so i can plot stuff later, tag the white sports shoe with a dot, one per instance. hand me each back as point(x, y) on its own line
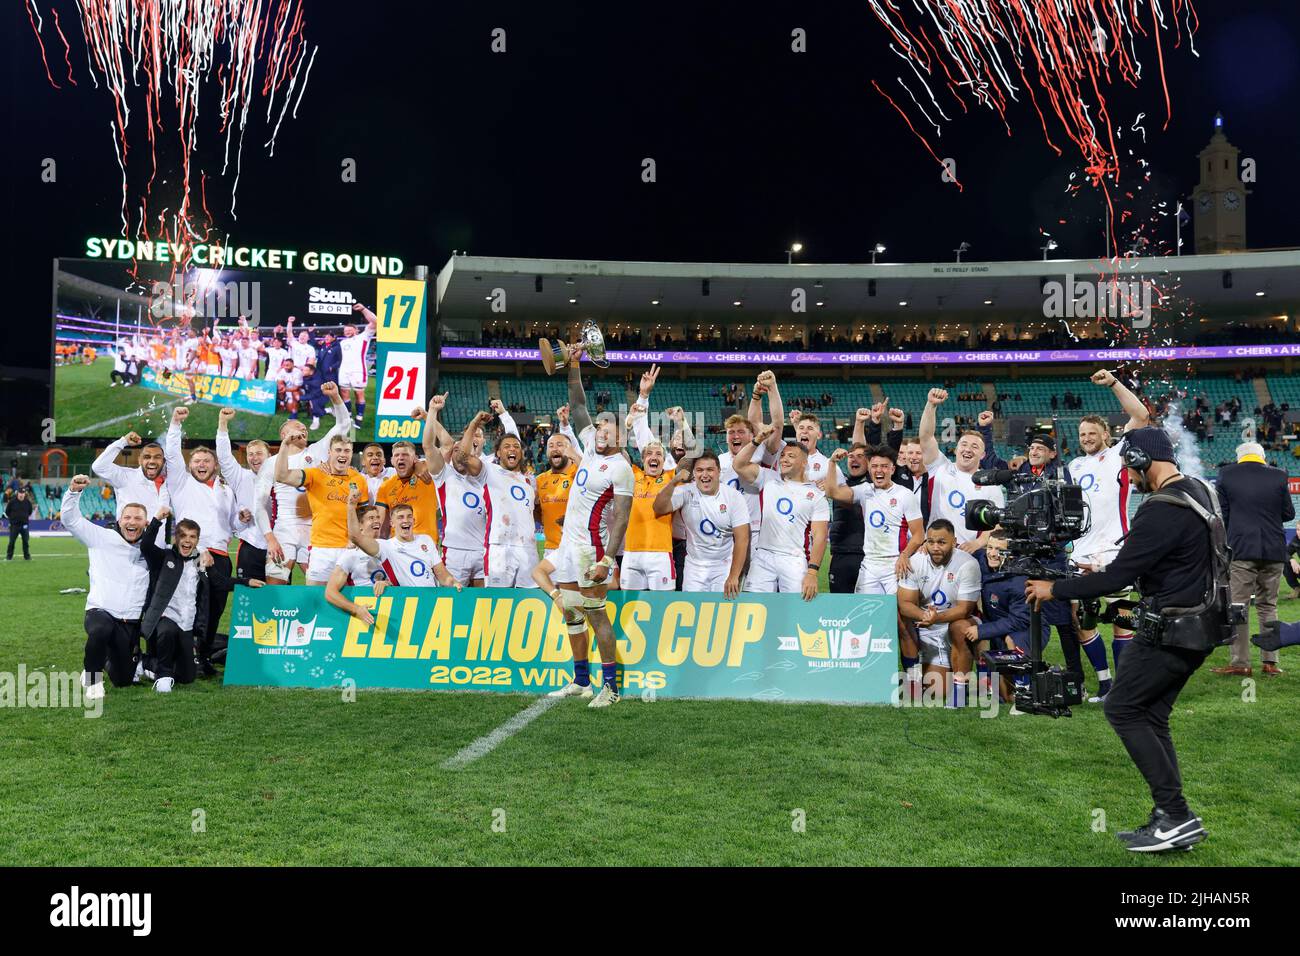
point(163, 685)
point(94, 691)
point(608, 695)
point(573, 689)
point(139, 670)
point(315, 424)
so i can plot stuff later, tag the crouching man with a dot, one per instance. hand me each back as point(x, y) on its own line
point(178, 596)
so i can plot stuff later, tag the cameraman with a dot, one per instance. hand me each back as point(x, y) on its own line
point(1168, 553)
point(1004, 616)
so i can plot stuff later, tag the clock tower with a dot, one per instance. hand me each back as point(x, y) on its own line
point(1219, 200)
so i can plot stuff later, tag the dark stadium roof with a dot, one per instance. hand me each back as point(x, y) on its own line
point(625, 290)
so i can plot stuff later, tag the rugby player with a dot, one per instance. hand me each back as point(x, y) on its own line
point(408, 484)
point(325, 485)
point(373, 466)
point(791, 539)
point(716, 519)
point(595, 523)
point(288, 519)
point(510, 500)
point(358, 569)
point(942, 585)
point(250, 561)
point(144, 485)
point(1101, 475)
point(553, 487)
point(408, 560)
point(119, 579)
point(952, 482)
point(354, 369)
point(891, 517)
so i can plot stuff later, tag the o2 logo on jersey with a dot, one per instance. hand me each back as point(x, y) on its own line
point(518, 493)
point(938, 598)
point(735, 483)
point(786, 507)
point(876, 519)
point(580, 479)
point(377, 575)
point(708, 529)
point(470, 500)
point(956, 499)
point(418, 569)
point(1088, 482)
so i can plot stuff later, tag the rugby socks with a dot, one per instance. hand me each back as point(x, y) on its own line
point(958, 693)
point(361, 408)
point(1095, 648)
point(609, 674)
point(581, 673)
point(1277, 635)
point(1118, 644)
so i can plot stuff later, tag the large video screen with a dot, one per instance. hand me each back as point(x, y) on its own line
point(132, 343)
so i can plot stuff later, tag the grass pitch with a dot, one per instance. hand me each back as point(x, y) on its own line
point(85, 407)
point(219, 776)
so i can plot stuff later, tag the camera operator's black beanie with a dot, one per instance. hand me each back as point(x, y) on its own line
point(1153, 440)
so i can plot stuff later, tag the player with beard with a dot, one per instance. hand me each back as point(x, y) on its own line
point(791, 540)
point(250, 562)
point(460, 495)
point(1101, 474)
point(952, 482)
point(145, 484)
point(553, 486)
point(358, 569)
point(510, 499)
point(410, 484)
point(325, 486)
point(119, 579)
point(595, 523)
point(375, 469)
point(409, 560)
point(203, 497)
point(716, 519)
point(289, 520)
point(941, 586)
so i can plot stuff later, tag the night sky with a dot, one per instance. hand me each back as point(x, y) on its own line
point(537, 152)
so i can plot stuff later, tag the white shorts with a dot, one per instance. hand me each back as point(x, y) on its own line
point(771, 573)
point(573, 565)
point(933, 645)
point(648, 571)
point(549, 554)
point(353, 379)
point(294, 553)
point(463, 565)
point(321, 563)
point(1098, 562)
point(510, 566)
point(876, 579)
point(705, 576)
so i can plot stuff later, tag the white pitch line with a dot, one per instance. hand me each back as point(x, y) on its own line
point(489, 742)
point(121, 418)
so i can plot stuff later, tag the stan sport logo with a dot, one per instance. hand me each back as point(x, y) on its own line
point(282, 633)
point(835, 644)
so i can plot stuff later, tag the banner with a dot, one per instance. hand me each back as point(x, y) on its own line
point(400, 308)
point(247, 395)
point(837, 648)
point(1138, 354)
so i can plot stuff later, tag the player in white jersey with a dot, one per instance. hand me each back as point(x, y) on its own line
point(229, 355)
point(716, 520)
point(595, 523)
point(891, 520)
point(509, 498)
point(952, 483)
point(409, 560)
point(1101, 475)
point(808, 432)
point(354, 369)
point(375, 469)
point(288, 384)
point(300, 349)
point(355, 568)
point(460, 494)
point(796, 519)
point(942, 585)
point(289, 535)
point(249, 356)
point(740, 432)
point(275, 358)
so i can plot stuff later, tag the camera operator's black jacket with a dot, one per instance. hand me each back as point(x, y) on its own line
point(1166, 554)
point(1003, 609)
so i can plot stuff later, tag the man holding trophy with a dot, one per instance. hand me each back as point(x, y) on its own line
point(577, 575)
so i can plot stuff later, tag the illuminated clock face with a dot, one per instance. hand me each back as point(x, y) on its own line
point(1204, 202)
point(1231, 199)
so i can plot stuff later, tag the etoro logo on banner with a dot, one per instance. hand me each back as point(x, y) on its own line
point(400, 309)
point(677, 645)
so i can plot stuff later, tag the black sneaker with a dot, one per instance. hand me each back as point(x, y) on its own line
point(205, 667)
point(1162, 832)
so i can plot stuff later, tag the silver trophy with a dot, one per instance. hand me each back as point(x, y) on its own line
point(588, 336)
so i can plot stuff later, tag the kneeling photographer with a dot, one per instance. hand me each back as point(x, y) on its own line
point(1176, 552)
